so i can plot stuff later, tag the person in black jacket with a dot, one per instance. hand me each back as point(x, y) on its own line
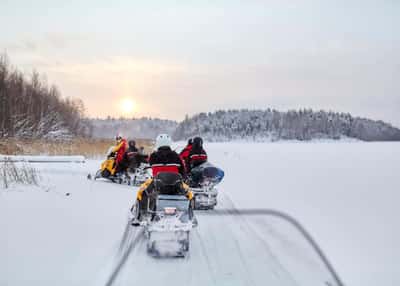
point(129, 159)
point(164, 160)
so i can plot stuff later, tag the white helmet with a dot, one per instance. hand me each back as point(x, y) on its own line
point(163, 140)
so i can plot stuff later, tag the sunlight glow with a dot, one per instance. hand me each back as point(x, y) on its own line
point(127, 106)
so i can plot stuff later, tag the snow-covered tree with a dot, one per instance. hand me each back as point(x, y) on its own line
point(30, 108)
point(303, 124)
point(145, 128)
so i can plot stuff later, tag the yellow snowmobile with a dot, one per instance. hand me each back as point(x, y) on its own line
point(108, 170)
point(108, 167)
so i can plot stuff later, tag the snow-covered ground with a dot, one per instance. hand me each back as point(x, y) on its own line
point(43, 159)
point(346, 195)
point(69, 231)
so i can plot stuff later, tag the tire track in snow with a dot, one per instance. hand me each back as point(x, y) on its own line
point(245, 226)
point(220, 268)
point(134, 239)
point(208, 243)
point(296, 226)
point(292, 248)
point(132, 262)
point(207, 258)
point(220, 246)
point(126, 237)
point(224, 249)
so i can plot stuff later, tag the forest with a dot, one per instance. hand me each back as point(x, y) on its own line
point(273, 125)
point(30, 108)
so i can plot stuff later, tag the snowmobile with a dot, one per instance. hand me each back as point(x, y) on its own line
point(169, 220)
point(108, 170)
point(168, 232)
point(141, 174)
point(202, 180)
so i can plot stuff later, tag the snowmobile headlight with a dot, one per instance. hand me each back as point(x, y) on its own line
point(169, 211)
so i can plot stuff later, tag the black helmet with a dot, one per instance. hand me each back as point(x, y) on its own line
point(190, 141)
point(132, 143)
point(198, 142)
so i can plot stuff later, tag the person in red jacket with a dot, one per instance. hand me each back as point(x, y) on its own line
point(184, 155)
point(197, 154)
point(119, 150)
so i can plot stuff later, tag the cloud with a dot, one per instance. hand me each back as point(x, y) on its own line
point(24, 46)
point(66, 40)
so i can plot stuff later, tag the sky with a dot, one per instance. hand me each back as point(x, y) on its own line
point(171, 58)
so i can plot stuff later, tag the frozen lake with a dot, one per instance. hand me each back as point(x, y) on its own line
point(345, 194)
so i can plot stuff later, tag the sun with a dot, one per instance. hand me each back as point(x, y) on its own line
point(127, 106)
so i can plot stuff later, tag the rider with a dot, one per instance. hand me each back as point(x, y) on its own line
point(132, 147)
point(164, 159)
point(119, 149)
point(197, 154)
point(129, 159)
point(142, 157)
point(184, 155)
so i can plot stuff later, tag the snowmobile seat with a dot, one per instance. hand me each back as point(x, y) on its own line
point(167, 183)
point(205, 173)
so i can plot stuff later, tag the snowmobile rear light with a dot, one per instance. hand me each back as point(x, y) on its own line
point(169, 211)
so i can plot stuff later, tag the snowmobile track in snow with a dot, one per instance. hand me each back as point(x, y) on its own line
point(203, 245)
point(232, 211)
point(128, 243)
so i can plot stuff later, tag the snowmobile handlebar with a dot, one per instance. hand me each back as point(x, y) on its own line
point(147, 167)
point(111, 154)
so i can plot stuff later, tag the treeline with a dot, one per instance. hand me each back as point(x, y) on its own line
point(29, 108)
point(273, 125)
point(145, 127)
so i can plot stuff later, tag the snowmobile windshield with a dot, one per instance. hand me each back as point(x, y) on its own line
point(110, 150)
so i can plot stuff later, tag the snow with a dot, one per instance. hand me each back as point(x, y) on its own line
point(346, 195)
point(43, 159)
point(52, 238)
point(70, 231)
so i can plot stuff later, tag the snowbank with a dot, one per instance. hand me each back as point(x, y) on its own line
point(43, 159)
